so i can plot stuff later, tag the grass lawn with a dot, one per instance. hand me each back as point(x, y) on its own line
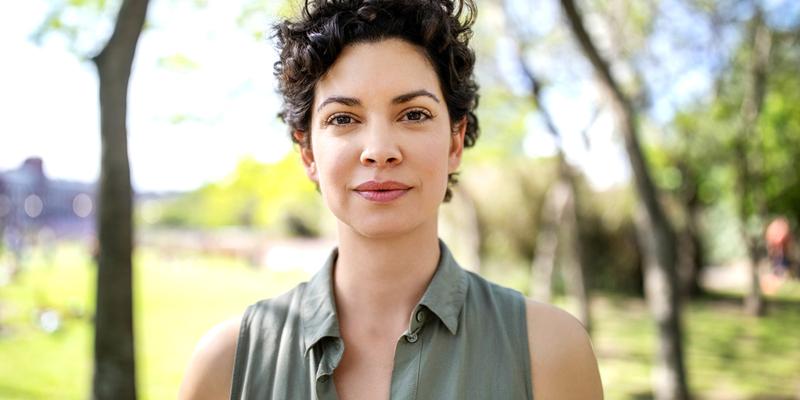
point(176, 300)
point(729, 355)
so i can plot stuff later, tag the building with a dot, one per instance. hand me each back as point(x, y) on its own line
point(31, 203)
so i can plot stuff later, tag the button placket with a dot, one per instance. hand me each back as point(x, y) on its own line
point(416, 326)
point(408, 353)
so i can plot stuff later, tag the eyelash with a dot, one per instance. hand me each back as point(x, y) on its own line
point(424, 116)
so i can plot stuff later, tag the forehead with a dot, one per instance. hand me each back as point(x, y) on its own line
point(374, 70)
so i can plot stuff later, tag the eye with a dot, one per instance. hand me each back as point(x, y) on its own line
point(416, 115)
point(340, 119)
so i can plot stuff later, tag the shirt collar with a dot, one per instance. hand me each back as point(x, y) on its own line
point(318, 309)
point(444, 296)
point(447, 291)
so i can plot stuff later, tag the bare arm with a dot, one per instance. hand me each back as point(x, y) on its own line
point(209, 374)
point(563, 364)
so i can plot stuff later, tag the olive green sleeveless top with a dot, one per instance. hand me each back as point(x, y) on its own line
point(466, 339)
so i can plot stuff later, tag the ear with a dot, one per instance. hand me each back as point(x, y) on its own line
point(306, 154)
point(457, 145)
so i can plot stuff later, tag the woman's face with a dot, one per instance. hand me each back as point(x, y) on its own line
point(381, 139)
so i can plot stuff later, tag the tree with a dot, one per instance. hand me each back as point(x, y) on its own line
point(655, 231)
point(114, 355)
point(114, 370)
point(736, 143)
point(751, 200)
point(558, 233)
point(557, 239)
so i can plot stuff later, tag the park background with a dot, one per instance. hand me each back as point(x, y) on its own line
point(551, 200)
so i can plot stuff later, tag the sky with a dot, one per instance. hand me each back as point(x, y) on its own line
point(201, 98)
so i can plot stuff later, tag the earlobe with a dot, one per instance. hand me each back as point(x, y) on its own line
point(311, 171)
point(306, 154)
point(308, 162)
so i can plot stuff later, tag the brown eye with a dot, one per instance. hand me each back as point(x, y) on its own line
point(416, 116)
point(340, 119)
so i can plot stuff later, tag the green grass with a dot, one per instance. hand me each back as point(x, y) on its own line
point(177, 299)
point(729, 355)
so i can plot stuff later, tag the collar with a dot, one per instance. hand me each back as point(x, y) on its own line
point(318, 308)
point(447, 291)
point(444, 296)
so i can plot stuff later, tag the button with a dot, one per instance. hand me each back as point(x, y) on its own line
point(323, 378)
point(420, 316)
point(412, 337)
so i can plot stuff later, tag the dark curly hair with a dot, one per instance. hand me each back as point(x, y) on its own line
point(310, 45)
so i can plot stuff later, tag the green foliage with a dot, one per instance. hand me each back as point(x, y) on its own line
point(502, 116)
point(508, 199)
point(611, 256)
point(702, 160)
point(178, 61)
point(86, 24)
point(255, 195)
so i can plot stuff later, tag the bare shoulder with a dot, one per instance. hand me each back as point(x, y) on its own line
point(210, 369)
point(563, 364)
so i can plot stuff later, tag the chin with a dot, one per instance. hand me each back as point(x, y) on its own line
point(381, 229)
point(382, 225)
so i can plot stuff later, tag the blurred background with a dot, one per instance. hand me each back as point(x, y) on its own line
point(637, 166)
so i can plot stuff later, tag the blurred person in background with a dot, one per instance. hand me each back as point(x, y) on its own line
point(380, 97)
point(778, 237)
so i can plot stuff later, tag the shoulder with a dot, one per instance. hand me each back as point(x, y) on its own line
point(563, 364)
point(210, 369)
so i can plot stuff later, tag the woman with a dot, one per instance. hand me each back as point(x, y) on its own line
point(379, 96)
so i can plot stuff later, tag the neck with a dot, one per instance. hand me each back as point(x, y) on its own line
point(380, 278)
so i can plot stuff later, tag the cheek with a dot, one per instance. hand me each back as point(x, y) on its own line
point(331, 157)
point(433, 157)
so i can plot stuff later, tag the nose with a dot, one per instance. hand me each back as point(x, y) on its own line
point(380, 147)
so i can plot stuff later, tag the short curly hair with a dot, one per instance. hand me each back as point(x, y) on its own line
point(311, 44)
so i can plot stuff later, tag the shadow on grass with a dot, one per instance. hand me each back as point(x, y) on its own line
point(733, 301)
point(649, 396)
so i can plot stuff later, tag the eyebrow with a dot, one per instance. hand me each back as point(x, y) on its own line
point(403, 98)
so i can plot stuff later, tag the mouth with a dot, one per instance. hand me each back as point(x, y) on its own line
point(382, 192)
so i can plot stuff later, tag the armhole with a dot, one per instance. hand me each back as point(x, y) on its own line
point(526, 355)
point(240, 358)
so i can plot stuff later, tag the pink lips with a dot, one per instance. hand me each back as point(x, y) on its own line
point(382, 192)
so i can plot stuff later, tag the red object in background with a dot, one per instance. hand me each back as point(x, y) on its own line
point(778, 234)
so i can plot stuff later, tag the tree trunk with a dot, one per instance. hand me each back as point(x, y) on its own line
point(691, 251)
point(690, 256)
point(571, 255)
point(114, 369)
point(655, 232)
point(547, 241)
point(750, 202)
point(559, 234)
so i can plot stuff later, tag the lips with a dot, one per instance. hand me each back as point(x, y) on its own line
point(382, 192)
